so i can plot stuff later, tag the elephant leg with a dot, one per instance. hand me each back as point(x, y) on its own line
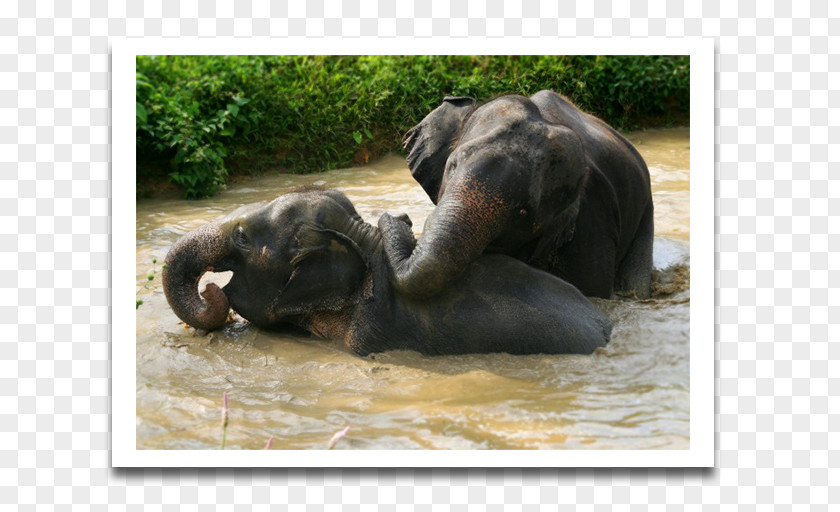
point(634, 272)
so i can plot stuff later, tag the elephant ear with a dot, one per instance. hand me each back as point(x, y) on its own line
point(429, 144)
point(326, 271)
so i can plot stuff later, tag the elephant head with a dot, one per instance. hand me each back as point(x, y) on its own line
point(301, 252)
point(503, 178)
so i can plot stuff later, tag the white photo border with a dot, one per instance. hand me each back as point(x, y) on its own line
point(701, 451)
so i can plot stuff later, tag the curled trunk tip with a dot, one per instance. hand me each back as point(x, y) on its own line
point(190, 257)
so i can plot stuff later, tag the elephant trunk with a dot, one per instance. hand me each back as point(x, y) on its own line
point(364, 235)
point(191, 256)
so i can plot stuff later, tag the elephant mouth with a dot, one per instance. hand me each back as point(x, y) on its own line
point(256, 304)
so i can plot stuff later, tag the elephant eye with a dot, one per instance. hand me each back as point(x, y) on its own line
point(240, 239)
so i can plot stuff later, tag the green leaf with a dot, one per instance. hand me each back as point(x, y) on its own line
point(234, 109)
point(357, 136)
point(142, 116)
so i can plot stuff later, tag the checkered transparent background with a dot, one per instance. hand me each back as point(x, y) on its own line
point(778, 204)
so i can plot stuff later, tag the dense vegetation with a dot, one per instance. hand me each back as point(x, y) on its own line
point(200, 117)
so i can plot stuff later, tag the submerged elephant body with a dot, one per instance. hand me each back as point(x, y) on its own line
point(308, 259)
point(499, 305)
point(534, 178)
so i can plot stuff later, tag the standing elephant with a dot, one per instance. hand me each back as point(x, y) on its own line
point(308, 259)
point(534, 178)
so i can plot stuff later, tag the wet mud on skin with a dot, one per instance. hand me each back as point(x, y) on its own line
point(631, 394)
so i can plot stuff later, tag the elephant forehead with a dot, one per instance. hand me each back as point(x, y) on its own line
point(523, 142)
point(282, 204)
point(245, 211)
point(507, 109)
point(305, 205)
point(490, 149)
point(289, 212)
point(505, 136)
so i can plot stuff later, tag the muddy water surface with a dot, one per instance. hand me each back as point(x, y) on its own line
point(634, 393)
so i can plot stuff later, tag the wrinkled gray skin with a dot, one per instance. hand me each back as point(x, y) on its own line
point(534, 178)
point(308, 259)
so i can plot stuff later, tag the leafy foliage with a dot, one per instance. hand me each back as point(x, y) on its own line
point(204, 114)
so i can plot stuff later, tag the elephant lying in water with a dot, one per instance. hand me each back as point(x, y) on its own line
point(308, 259)
point(534, 178)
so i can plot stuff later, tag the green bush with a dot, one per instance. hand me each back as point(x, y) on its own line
point(193, 126)
point(201, 117)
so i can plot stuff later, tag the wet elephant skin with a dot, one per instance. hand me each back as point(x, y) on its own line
point(533, 178)
point(308, 259)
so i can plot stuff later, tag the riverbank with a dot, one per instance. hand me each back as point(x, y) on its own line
point(201, 119)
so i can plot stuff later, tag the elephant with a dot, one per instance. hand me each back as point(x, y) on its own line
point(308, 259)
point(533, 178)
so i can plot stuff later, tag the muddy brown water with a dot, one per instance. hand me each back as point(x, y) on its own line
point(632, 394)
